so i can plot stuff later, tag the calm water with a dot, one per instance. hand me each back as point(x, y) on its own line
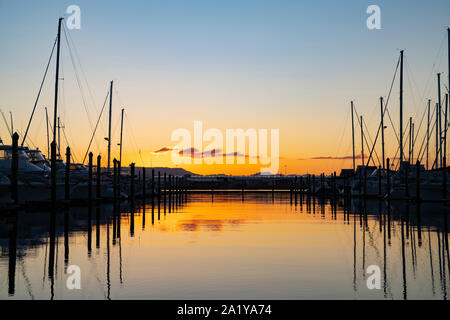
point(229, 248)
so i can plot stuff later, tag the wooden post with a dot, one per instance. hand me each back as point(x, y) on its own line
point(159, 186)
point(115, 179)
point(90, 178)
point(153, 185)
point(417, 181)
point(170, 191)
point(99, 175)
point(323, 184)
point(132, 173)
point(388, 178)
point(313, 183)
point(165, 189)
point(379, 182)
point(144, 184)
point(15, 168)
point(119, 169)
point(53, 172)
point(407, 180)
point(67, 176)
point(444, 177)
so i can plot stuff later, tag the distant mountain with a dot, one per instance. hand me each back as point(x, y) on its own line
point(162, 170)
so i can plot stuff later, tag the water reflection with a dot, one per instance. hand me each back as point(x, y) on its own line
point(228, 245)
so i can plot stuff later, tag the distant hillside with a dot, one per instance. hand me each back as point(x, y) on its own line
point(162, 170)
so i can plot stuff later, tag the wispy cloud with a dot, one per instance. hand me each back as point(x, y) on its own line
point(162, 150)
point(331, 158)
point(195, 153)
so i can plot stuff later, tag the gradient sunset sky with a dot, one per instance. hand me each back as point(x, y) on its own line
point(288, 65)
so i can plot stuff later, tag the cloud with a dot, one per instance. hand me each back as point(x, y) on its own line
point(162, 150)
point(332, 158)
point(195, 153)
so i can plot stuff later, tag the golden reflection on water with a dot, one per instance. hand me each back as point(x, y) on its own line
point(225, 246)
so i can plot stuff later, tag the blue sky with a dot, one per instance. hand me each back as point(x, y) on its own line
point(293, 65)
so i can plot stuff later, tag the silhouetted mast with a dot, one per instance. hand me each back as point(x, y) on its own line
point(109, 125)
point(121, 132)
point(12, 122)
point(362, 143)
point(55, 110)
point(382, 131)
point(445, 132)
point(437, 136)
point(401, 105)
point(439, 121)
point(48, 136)
point(353, 138)
point(410, 140)
point(55, 115)
point(428, 131)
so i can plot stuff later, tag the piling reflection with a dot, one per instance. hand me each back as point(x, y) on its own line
point(298, 238)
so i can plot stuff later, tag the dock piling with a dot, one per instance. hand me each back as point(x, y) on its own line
point(67, 176)
point(15, 169)
point(99, 171)
point(115, 179)
point(144, 185)
point(90, 178)
point(418, 181)
point(132, 173)
point(388, 178)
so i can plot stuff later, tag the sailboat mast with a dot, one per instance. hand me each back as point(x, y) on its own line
point(437, 137)
point(12, 123)
point(59, 138)
point(445, 131)
point(439, 119)
point(353, 138)
point(55, 110)
point(382, 131)
point(55, 115)
point(48, 137)
point(109, 125)
point(121, 132)
point(401, 106)
point(428, 130)
point(410, 140)
point(362, 143)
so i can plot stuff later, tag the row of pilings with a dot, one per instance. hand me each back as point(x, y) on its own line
point(175, 187)
point(168, 188)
